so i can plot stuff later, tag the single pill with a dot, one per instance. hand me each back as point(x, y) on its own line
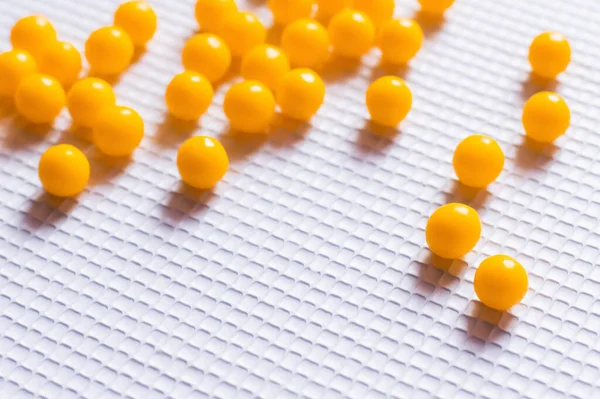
point(208, 55)
point(287, 11)
point(328, 8)
point(500, 282)
point(33, 34)
point(202, 162)
point(400, 40)
point(267, 64)
point(478, 161)
point(380, 11)
point(64, 170)
point(249, 106)
point(435, 6)
point(188, 95)
point(40, 98)
point(389, 100)
point(118, 131)
point(352, 33)
point(549, 54)
point(15, 65)
point(210, 13)
point(242, 31)
point(306, 42)
point(300, 94)
point(138, 19)
point(453, 230)
point(546, 117)
point(87, 98)
point(63, 62)
point(109, 50)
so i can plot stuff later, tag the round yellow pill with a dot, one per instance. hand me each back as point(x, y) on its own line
point(202, 162)
point(389, 100)
point(188, 95)
point(208, 55)
point(249, 106)
point(546, 117)
point(242, 31)
point(478, 161)
point(379, 11)
point(400, 40)
point(287, 11)
point(352, 33)
point(267, 64)
point(40, 98)
point(306, 42)
point(15, 65)
point(328, 8)
point(64, 170)
point(33, 34)
point(453, 230)
point(118, 131)
point(500, 282)
point(138, 19)
point(63, 62)
point(87, 98)
point(301, 94)
point(210, 13)
point(435, 6)
point(109, 50)
point(549, 54)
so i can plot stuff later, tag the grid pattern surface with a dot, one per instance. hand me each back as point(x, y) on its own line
point(304, 273)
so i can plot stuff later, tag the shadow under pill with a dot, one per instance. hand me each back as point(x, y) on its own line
point(47, 210)
point(186, 201)
point(535, 84)
point(474, 197)
point(531, 154)
point(374, 138)
point(173, 131)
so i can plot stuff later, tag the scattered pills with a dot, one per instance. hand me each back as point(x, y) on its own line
point(63, 62)
point(109, 50)
point(306, 42)
point(267, 64)
point(352, 33)
point(33, 34)
point(188, 95)
point(202, 162)
point(389, 100)
point(453, 230)
point(435, 6)
point(549, 54)
point(546, 117)
point(208, 55)
point(40, 98)
point(138, 19)
point(287, 11)
point(400, 40)
point(249, 106)
point(64, 170)
point(478, 161)
point(500, 282)
point(328, 8)
point(300, 94)
point(87, 98)
point(380, 11)
point(118, 131)
point(242, 31)
point(15, 65)
point(210, 13)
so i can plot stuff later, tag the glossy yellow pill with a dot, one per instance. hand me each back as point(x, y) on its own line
point(210, 13)
point(435, 6)
point(87, 98)
point(249, 106)
point(400, 40)
point(352, 33)
point(118, 131)
point(15, 65)
point(202, 162)
point(188, 95)
point(380, 11)
point(500, 282)
point(242, 31)
point(64, 170)
point(138, 19)
point(33, 34)
point(287, 11)
point(546, 117)
point(549, 54)
point(208, 55)
point(301, 94)
point(306, 42)
point(328, 8)
point(40, 98)
point(453, 230)
point(478, 161)
point(63, 62)
point(389, 100)
point(109, 50)
point(267, 64)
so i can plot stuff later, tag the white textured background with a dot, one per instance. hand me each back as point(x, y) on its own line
point(305, 272)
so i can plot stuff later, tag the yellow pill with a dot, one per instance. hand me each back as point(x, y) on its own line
point(63, 62)
point(33, 34)
point(40, 98)
point(287, 11)
point(400, 40)
point(301, 94)
point(478, 161)
point(242, 31)
point(15, 65)
point(453, 230)
point(138, 19)
point(306, 42)
point(109, 50)
point(546, 117)
point(210, 13)
point(267, 64)
point(118, 131)
point(549, 54)
point(208, 55)
point(202, 162)
point(327, 8)
point(352, 33)
point(188, 95)
point(500, 282)
point(435, 6)
point(64, 170)
point(380, 11)
point(249, 106)
point(389, 100)
point(87, 98)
